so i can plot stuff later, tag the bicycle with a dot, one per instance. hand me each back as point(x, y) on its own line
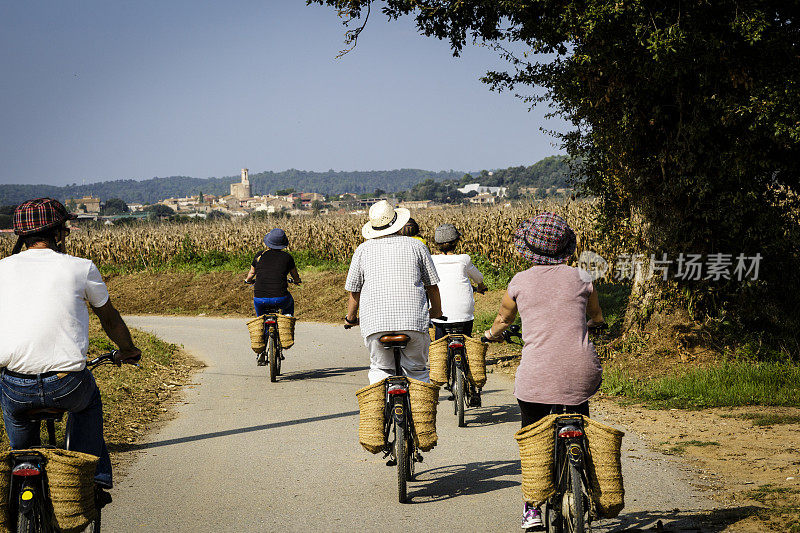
point(568, 510)
point(398, 424)
point(28, 500)
point(457, 382)
point(397, 419)
point(273, 353)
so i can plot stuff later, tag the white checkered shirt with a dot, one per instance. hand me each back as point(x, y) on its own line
point(391, 274)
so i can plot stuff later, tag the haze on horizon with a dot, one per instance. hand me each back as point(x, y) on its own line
point(101, 91)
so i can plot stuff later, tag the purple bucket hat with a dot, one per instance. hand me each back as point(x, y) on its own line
point(545, 239)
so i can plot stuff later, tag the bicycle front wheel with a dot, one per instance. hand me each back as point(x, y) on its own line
point(458, 396)
point(574, 511)
point(272, 356)
point(401, 454)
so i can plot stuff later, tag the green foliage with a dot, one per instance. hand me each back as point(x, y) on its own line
point(686, 124)
point(726, 384)
point(159, 210)
point(114, 206)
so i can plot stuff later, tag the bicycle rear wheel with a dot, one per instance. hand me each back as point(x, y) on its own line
point(401, 454)
point(574, 511)
point(272, 356)
point(458, 396)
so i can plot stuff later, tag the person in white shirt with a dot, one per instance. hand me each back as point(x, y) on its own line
point(44, 333)
point(456, 276)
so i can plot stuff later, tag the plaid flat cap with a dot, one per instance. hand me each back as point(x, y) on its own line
point(545, 239)
point(40, 214)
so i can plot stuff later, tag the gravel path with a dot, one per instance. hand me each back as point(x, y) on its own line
point(245, 454)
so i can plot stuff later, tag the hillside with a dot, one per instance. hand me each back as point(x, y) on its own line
point(549, 172)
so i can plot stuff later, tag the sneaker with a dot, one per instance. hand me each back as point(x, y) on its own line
point(102, 498)
point(531, 517)
point(475, 399)
point(260, 359)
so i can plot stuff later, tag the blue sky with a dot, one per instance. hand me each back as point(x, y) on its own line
point(99, 90)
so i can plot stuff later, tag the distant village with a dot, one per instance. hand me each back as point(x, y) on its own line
point(241, 202)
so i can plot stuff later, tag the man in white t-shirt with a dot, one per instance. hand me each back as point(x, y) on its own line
point(44, 332)
point(456, 276)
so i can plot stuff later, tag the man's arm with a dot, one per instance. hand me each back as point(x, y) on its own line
point(436, 302)
point(117, 331)
point(353, 301)
point(295, 275)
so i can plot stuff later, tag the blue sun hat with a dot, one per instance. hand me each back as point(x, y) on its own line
point(276, 239)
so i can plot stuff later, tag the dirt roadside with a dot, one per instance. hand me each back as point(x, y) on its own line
point(752, 469)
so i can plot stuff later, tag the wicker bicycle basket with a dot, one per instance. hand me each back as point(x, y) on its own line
point(424, 399)
point(476, 361)
point(286, 330)
point(256, 328)
point(70, 481)
point(5, 476)
point(437, 361)
point(536, 443)
point(605, 467)
point(370, 417)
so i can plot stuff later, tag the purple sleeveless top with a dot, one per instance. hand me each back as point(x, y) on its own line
point(559, 365)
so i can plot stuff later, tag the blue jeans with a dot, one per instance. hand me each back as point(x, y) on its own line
point(77, 393)
point(284, 303)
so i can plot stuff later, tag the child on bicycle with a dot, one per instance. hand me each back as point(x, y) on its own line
point(559, 365)
point(456, 275)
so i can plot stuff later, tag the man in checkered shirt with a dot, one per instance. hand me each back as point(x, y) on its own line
point(392, 278)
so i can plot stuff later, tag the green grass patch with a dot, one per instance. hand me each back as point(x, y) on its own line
point(204, 261)
point(679, 448)
point(495, 276)
point(728, 384)
point(765, 492)
point(760, 419)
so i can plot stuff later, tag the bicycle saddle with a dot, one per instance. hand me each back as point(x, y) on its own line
point(395, 338)
point(43, 413)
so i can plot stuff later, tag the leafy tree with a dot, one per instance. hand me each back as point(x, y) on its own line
point(6, 221)
point(284, 192)
point(115, 206)
point(217, 215)
point(160, 210)
point(686, 117)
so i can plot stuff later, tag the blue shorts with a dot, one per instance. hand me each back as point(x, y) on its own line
point(284, 303)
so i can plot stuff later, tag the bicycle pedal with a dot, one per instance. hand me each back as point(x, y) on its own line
point(418, 457)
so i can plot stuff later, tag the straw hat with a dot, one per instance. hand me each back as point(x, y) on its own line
point(384, 219)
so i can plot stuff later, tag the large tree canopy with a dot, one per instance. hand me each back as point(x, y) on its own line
point(686, 119)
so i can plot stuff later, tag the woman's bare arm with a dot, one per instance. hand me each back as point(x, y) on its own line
point(593, 309)
point(250, 275)
point(505, 317)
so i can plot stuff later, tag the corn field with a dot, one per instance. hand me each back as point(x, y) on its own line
point(485, 231)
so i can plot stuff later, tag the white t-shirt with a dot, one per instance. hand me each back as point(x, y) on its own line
point(44, 322)
point(455, 289)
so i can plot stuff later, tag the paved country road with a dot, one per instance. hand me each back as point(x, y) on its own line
point(244, 454)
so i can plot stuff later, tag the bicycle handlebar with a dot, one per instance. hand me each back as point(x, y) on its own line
point(110, 359)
